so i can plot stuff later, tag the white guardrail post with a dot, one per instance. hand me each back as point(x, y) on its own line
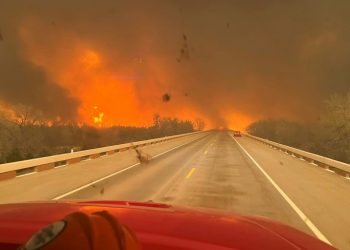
point(335, 166)
point(13, 169)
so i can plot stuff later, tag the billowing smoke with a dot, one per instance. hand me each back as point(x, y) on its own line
point(22, 82)
point(229, 62)
point(27, 84)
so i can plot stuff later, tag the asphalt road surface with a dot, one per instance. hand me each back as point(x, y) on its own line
point(207, 170)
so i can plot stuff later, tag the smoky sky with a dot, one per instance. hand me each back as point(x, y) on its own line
point(23, 83)
point(278, 59)
point(26, 84)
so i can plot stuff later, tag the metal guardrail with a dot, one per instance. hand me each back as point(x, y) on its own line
point(13, 169)
point(337, 167)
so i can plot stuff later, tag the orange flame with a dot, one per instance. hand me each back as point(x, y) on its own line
point(91, 78)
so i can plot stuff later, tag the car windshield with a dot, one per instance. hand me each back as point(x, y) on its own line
point(238, 106)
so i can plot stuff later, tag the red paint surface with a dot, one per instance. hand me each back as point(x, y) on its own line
point(160, 226)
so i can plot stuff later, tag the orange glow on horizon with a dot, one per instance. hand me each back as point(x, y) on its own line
point(115, 91)
point(238, 121)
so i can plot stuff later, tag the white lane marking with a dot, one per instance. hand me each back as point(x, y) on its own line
point(155, 156)
point(115, 173)
point(307, 221)
point(94, 182)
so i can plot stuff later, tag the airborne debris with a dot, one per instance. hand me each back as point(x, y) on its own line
point(228, 25)
point(184, 50)
point(1, 37)
point(102, 191)
point(166, 97)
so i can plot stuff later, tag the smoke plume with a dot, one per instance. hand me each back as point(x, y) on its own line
point(228, 62)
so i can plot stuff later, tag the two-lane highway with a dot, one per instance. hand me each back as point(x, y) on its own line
point(212, 170)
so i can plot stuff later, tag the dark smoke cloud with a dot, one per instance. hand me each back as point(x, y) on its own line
point(260, 58)
point(26, 84)
point(21, 82)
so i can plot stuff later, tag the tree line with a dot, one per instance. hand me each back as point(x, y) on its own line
point(328, 136)
point(25, 136)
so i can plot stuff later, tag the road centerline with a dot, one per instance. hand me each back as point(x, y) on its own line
point(119, 172)
point(190, 173)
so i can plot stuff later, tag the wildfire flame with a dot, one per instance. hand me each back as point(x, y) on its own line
point(97, 117)
point(128, 90)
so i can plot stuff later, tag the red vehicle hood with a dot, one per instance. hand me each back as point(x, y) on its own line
point(160, 226)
